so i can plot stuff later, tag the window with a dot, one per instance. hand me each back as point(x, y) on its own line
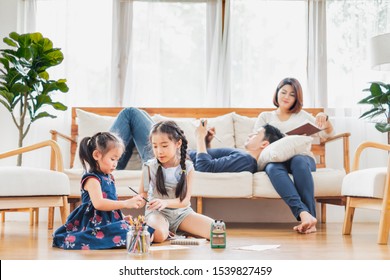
point(350, 25)
point(168, 58)
point(268, 43)
point(85, 39)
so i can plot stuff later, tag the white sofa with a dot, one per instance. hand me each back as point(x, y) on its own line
point(232, 126)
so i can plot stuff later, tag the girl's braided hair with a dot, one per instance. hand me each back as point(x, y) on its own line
point(175, 133)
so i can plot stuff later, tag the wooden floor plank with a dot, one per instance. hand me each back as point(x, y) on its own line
point(19, 241)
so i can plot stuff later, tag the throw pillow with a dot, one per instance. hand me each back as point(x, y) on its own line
point(284, 149)
point(89, 124)
point(243, 126)
point(223, 127)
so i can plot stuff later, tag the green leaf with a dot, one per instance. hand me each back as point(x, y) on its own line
point(42, 115)
point(43, 99)
point(59, 106)
point(366, 100)
point(375, 89)
point(10, 42)
point(6, 105)
point(55, 57)
point(24, 40)
point(20, 88)
point(5, 62)
point(36, 37)
point(372, 113)
point(382, 127)
point(62, 87)
point(7, 96)
point(24, 52)
point(46, 44)
point(15, 36)
point(44, 75)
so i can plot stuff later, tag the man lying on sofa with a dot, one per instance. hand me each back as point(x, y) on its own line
point(231, 159)
point(133, 126)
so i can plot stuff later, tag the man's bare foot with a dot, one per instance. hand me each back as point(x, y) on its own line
point(308, 223)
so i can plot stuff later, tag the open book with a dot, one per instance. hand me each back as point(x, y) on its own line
point(188, 241)
point(305, 129)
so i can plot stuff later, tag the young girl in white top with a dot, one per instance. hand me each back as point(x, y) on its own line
point(169, 190)
point(297, 193)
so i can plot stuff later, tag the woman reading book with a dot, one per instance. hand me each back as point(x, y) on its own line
point(298, 193)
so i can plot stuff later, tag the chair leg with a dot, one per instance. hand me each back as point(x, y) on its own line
point(31, 212)
point(64, 210)
point(199, 205)
point(2, 216)
point(384, 225)
point(323, 213)
point(50, 218)
point(36, 215)
point(348, 218)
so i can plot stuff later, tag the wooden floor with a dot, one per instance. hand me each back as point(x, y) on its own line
point(19, 241)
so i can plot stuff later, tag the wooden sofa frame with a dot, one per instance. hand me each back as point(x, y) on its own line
point(317, 149)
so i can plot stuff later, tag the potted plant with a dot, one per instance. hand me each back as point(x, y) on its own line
point(25, 85)
point(379, 99)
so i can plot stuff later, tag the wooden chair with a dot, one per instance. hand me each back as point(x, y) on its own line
point(369, 189)
point(26, 188)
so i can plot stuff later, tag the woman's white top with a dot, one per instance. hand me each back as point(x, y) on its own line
point(295, 120)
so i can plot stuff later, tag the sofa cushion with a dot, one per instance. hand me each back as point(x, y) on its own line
point(28, 181)
point(243, 126)
point(223, 127)
point(222, 185)
point(188, 125)
point(284, 149)
point(123, 179)
point(89, 124)
point(365, 183)
point(327, 182)
point(204, 184)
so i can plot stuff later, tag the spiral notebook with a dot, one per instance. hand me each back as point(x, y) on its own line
point(188, 241)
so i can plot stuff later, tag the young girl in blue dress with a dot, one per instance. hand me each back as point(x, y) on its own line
point(98, 222)
point(170, 185)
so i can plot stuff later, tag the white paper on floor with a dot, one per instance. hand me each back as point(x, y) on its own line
point(167, 247)
point(257, 247)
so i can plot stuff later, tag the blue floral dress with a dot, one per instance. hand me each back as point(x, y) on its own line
point(88, 228)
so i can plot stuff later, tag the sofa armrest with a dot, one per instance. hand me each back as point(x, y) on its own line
point(345, 137)
point(55, 134)
point(366, 145)
point(57, 164)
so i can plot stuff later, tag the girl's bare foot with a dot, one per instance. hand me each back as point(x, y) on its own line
point(308, 223)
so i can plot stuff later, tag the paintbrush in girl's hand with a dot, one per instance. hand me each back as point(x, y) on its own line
point(138, 193)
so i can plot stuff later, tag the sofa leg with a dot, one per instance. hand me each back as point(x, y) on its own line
point(199, 205)
point(323, 213)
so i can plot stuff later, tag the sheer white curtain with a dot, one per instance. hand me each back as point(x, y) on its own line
point(267, 42)
point(167, 53)
point(29, 15)
point(218, 59)
point(316, 52)
point(85, 40)
point(350, 24)
point(121, 42)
